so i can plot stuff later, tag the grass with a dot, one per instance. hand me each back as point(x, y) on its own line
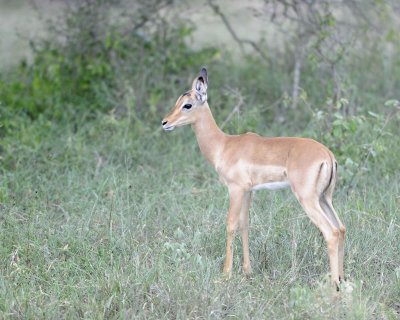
point(113, 225)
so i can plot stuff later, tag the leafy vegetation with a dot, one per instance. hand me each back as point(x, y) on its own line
point(103, 215)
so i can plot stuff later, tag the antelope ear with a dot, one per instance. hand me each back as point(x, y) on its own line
point(200, 85)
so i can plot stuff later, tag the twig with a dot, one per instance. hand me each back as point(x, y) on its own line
point(298, 61)
point(236, 109)
point(234, 35)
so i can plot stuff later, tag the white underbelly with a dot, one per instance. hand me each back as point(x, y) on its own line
point(272, 185)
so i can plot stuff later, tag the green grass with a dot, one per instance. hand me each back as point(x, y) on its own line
point(113, 225)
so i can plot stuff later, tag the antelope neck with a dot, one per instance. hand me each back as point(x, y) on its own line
point(209, 136)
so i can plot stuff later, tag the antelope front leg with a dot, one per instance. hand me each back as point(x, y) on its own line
point(244, 231)
point(232, 223)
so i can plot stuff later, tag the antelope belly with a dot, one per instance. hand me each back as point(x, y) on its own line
point(272, 185)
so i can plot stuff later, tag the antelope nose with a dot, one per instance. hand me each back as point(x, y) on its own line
point(164, 122)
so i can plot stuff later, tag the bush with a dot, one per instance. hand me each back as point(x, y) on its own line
point(88, 61)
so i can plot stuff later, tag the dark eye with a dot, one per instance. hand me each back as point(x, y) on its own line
point(187, 106)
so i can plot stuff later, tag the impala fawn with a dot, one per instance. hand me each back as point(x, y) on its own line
point(249, 162)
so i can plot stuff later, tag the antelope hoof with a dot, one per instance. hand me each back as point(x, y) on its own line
point(227, 274)
point(247, 270)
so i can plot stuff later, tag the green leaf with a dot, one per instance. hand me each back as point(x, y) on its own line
point(393, 103)
point(337, 132)
point(373, 114)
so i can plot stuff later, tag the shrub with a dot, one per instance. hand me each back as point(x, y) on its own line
point(90, 55)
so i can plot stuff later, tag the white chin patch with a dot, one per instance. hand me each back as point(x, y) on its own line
point(169, 128)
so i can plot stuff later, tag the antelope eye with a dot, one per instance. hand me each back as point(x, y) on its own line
point(187, 106)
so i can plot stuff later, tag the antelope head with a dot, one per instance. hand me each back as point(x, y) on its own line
point(189, 104)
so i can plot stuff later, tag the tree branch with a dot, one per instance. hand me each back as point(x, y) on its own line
point(234, 35)
point(236, 109)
